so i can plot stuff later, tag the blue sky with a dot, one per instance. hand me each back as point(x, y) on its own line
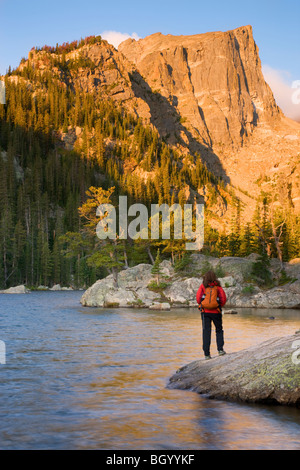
point(25, 24)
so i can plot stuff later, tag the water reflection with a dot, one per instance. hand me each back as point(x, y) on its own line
point(96, 379)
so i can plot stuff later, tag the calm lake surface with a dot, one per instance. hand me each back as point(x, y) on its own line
point(87, 378)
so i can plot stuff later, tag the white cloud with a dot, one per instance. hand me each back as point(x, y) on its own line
point(281, 85)
point(115, 38)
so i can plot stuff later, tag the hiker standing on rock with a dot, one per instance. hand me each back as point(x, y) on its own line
point(211, 298)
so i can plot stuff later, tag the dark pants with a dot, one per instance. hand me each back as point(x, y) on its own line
point(207, 318)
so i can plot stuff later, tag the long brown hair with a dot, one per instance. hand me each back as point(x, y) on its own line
point(210, 278)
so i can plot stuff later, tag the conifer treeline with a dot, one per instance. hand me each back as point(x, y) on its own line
point(42, 184)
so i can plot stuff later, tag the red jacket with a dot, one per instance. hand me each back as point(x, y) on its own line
point(221, 295)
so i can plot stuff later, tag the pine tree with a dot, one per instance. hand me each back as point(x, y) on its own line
point(222, 245)
point(107, 252)
point(248, 242)
point(234, 239)
point(156, 267)
point(261, 270)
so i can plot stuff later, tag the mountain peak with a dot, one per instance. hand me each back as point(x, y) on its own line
point(214, 78)
point(214, 82)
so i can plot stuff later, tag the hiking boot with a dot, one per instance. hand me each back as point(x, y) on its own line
point(221, 353)
point(207, 357)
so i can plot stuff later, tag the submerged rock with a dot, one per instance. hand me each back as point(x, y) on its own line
point(160, 306)
point(266, 373)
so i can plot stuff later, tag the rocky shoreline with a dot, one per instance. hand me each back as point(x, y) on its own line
point(135, 286)
point(21, 289)
point(265, 373)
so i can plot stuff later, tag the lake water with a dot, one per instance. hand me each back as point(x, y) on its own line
point(87, 378)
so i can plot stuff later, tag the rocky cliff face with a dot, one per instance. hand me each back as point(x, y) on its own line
point(213, 80)
point(214, 84)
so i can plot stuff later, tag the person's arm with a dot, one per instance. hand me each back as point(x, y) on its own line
point(199, 294)
point(222, 296)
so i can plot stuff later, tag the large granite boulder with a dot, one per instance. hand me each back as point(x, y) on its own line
point(136, 277)
point(292, 268)
point(94, 296)
point(131, 291)
point(267, 373)
point(234, 267)
point(183, 291)
point(16, 290)
point(285, 296)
